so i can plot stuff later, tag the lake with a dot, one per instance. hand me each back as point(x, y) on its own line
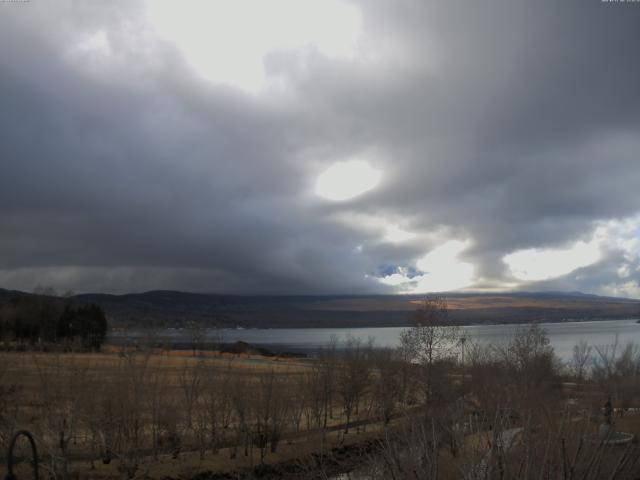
point(563, 336)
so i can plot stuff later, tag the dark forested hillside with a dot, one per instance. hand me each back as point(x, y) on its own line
point(169, 308)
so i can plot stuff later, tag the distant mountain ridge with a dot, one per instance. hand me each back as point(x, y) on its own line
point(165, 308)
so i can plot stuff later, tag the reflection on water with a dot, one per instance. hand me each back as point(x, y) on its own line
point(563, 336)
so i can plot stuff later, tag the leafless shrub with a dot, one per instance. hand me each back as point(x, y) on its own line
point(581, 358)
point(616, 369)
point(217, 406)
point(61, 394)
point(9, 400)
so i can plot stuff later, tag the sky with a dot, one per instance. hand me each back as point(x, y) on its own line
point(320, 146)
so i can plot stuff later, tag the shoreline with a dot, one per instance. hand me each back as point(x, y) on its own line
point(118, 330)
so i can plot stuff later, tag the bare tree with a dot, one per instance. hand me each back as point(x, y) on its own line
point(218, 338)
point(326, 378)
point(190, 381)
point(158, 405)
point(412, 452)
point(313, 396)
point(298, 400)
point(432, 338)
point(386, 384)
point(487, 375)
point(197, 336)
point(217, 406)
point(617, 370)
point(580, 359)
point(241, 402)
point(529, 357)
point(61, 388)
point(123, 412)
point(353, 378)
point(9, 393)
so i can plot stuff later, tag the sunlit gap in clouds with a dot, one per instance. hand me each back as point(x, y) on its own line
point(226, 41)
point(346, 180)
point(440, 270)
point(535, 264)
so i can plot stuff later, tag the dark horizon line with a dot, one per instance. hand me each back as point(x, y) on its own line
point(455, 293)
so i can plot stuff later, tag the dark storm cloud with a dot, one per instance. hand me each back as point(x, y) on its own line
point(512, 124)
point(523, 132)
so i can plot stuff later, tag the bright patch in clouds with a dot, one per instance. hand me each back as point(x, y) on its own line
point(96, 43)
point(395, 234)
point(388, 229)
point(346, 180)
point(441, 270)
point(93, 52)
point(226, 41)
point(535, 264)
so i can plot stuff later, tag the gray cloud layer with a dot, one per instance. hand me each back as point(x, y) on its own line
point(512, 125)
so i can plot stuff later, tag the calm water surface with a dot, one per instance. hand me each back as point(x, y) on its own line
point(563, 336)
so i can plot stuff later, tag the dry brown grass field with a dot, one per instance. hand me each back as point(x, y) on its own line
point(508, 412)
point(479, 302)
point(170, 413)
